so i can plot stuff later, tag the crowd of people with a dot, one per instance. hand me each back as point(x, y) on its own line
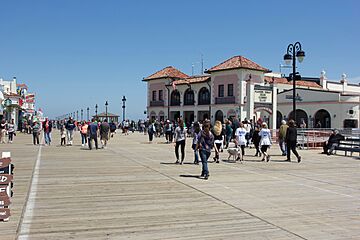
point(216, 138)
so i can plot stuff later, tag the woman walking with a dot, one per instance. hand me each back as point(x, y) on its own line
point(36, 128)
point(265, 141)
point(205, 144)
point(2, 131)
point(218, 139)
point(241, 141)
point(291, 140)
point(47, 126)
point(83, 131)
point(180, 137)
point(11, 131)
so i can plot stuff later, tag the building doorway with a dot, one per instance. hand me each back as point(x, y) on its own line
point(188, 117)
point(219, 116)
point(322, 119)
point(202, 115)
point(301, 116)
point(174, 115)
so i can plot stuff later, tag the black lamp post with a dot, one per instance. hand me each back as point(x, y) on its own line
point(106, 104)
point(77, 115)
point(123, 107)
point(88, 113)
point(294, 51)
point(82, 114)
point(96, 106)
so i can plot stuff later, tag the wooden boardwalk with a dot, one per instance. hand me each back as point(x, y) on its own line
point(132, 190)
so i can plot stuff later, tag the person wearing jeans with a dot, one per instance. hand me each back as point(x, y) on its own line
point(282, 135)
point(83, 132)
point(47, 126)
point(205, 144)
point(70, 126)
point(180, 138)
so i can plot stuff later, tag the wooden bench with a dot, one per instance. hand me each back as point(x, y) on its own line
point(350, 145)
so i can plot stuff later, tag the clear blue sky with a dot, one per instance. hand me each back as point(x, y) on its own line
point(75, 54)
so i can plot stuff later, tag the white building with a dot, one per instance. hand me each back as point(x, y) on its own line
point(239, 87)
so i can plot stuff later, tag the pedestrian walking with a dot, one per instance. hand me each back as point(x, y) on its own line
point(62, 135)
point(218, 139)
point(291, 141)
point(241, 140)
point(93, 134)
point(196, 131)
point(3, 125)
point(168, 131)
point(205, 144)
point(70, 128)
point(36, 129)
point(47, 127)
point(104, 133)
point(11, 131)
point(83, 131)
point(228, 132)
point(112, 128)
point(282, 135)
point(256, 140)
point(151, 130)
point(180, 137)
point(265, 141)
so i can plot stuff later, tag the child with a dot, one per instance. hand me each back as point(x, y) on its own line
point(63, 135)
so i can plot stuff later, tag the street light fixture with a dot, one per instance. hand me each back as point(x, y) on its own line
point(106, 112)
point(88, 113)
point(96, 106)
point(123, 107)
point(77, 115)
point(82, 114)
point(294, 51)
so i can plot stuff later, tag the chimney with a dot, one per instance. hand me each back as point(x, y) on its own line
point(344, 82)
point(323, 79)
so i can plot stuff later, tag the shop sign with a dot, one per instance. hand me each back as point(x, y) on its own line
point(263, 96)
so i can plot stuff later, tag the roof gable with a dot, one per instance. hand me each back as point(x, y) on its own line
point(238, 62)
point(168, 72)
point(302, 83)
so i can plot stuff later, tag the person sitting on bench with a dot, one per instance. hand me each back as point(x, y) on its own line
point(333, 142)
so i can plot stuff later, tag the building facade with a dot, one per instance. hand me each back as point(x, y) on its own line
point(239, 87)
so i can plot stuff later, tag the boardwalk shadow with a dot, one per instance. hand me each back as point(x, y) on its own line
point(228, 161)
point(169, 163)
point(189, 176)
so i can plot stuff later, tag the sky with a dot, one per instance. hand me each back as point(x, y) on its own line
point(75, 54)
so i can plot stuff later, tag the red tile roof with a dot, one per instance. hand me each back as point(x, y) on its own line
point(285, 81)
point(166, 73)
point(190, 80)
point(238, 62)
point(22, 85)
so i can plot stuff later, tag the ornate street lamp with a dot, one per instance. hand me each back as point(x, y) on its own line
point(294, 51)
point(106, 112)
point(77, 115)
point(88, 113)
point(96, 106)
point(123, 107)
point(82, 114)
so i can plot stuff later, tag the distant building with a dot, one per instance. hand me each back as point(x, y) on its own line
point(110, 116)
point(239, 87)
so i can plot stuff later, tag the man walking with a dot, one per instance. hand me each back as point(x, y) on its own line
point(47, 126)
point(104, 133)
point(93, 133)
point(282, 136)
point(70, 126)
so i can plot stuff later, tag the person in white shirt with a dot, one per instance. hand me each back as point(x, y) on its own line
point(265, 141)
point(240, 140)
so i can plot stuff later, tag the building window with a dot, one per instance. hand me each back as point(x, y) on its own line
point(154, 95)
point(189, 97)
point(204, 96)
point(161, 95)
point(175, 98)
point(221, 91)
point(230, 91)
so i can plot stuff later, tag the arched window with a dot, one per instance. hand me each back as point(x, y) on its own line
point(204, 96)
point(189, 97)
point(175, 98)
point(322, 119)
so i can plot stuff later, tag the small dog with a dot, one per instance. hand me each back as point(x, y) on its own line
point(235, 152)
